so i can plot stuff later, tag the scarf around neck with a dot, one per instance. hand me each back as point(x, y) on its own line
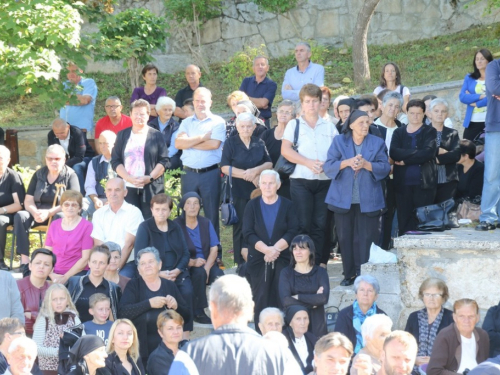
point(358, 319)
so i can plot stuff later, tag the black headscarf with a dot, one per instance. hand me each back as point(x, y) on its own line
point(291, 311)
point(85, 345)
point(350, 102)
point(357, 113)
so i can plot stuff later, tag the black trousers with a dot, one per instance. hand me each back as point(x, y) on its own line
point(356, 231)
point(5, 221)
point(136, 197)
point(308, 196)
point(199, 281)
point(238, 241)
point(445, 191)
point(407, 200)
point(388, 216)
point(474, 129)
point(264, 281)
point(185, 286)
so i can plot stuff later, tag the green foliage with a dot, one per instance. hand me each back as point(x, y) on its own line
point(173, 188)
point(26, 173)
point(240, 65)
point(276, 6)
point(192, 10)
point(490, 5)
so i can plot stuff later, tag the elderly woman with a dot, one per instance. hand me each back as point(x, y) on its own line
point(344, 108)
point(461, 345)
point(140, 157)
point(167, 237)
point(414, 150)
point(272, 138)
point(374, 331)
point(244, 157)
point(269, 226)
point(470, 174)
point(300, 341)
point(146, 297)
point(123, 349)
point(351, 318)
point(232, 102)
point(473, 93)
point(390, 78)
point(41, 201)
point(69, 238)
point(308, 182)
point(357, 163)
point(306, 284)
point(246, 106)
point(11, 199)
point(150, 92)
point(164, 123)
point(271, 319)
point(111, 273)
point(448, 152)
point(332, 354)
point(425, 324)
point(170, 329)
point(88, 356)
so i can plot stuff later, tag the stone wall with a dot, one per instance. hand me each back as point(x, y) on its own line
point(329, 22)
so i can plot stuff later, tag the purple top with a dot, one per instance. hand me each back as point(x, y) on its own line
point(151, 99)
point(68, 245)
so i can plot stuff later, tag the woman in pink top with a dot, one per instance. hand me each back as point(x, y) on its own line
point(69, 238)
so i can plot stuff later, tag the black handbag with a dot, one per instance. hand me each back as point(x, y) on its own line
point(228, 214)
point(331, 318)
point(283, 166)
point(435, 216)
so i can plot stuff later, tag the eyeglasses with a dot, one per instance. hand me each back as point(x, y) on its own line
point(53, 159)
point(288, 113)
point(432, 295)
point(112, 106)
point(21, 333)
point(70, 204)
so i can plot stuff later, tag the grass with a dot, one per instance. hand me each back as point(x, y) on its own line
point(422, 62)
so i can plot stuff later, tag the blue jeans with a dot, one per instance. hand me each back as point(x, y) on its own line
point(129, 269)
point(490, 200)
point(80, 170)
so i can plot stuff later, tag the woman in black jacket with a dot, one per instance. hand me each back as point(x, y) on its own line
point(123, 349)
point(88, 356)
point(414, 150)
point(269, 225)
point(448, 155)
point(470, 174)
point(140, 157)
point(167, 237)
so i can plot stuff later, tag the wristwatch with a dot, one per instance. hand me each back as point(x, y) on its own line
point(151, 179)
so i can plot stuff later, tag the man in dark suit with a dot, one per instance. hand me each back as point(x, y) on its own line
point(78, 150)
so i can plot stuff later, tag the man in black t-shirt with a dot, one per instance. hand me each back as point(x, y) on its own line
point(193, 75)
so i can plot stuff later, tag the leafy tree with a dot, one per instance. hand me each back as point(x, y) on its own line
point(276, 6)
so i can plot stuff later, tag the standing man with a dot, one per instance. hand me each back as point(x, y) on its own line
point(304, 72)
point(80, 114)
point(201, 137)
point(260, 89)
point(114, 120)
point(193, 75)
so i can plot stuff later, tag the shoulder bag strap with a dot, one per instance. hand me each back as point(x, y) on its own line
point(296, 134)
point(230, 183)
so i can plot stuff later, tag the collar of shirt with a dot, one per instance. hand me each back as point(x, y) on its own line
point(86, 281)
point(307, 68)
point(210, 115)
point(103, 159)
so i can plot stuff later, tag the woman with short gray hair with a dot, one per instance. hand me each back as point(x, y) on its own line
point(112, 270)
point(146, 297)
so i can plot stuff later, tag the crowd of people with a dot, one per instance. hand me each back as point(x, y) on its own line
point(118, 285)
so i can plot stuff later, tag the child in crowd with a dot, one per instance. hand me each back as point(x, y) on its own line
point(99, 308)
point(188, 107)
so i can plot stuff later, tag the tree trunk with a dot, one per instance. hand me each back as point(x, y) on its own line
point(359, 48)
point(134, 72)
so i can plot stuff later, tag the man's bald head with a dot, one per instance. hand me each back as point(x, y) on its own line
point(60, 128)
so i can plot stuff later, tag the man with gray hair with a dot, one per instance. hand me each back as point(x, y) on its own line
point(305, 72)
point(114, 120)
point(21, 356)
point(271, 319)
point(232, 348)
point(193, 75)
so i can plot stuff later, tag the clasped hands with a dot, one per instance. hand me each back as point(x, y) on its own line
point(271, 254)
point(159, 302)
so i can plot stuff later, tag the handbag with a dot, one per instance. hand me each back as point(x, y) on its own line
point(227, 211)
point(283, 166)
point(469, 210)
point(435, 216)
point(331, 318)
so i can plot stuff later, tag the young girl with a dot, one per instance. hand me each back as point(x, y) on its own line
point(56, 314)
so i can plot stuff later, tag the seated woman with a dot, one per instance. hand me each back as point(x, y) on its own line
point(165, 123)
point(88, 356)
point(425, 324)
point(202, 244)
point(300, 341)
point(269, 226)
point(69, 239)
point(33, 287)
point(461, 345)
point(170, 329)
point(41, 202)
point(111, 273)
point(374, 331)
point(11, 199)
point(470, 174)
point(82, 287)
point(146, 297)
point(150, 92)
point(351, 318)
point(123, 349)
point(167, 237)
point(232, 102)
point(306, 284)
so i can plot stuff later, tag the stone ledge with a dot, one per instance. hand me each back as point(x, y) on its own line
point(463, 239)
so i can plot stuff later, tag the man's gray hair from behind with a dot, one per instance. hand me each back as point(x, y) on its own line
point(232, 295)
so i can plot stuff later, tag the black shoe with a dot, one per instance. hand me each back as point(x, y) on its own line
point(348, 282)
point(4, 267)
point(484, 226)
point(202, 319)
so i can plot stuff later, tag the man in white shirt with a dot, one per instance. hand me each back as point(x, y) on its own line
point(118, 222)
point(21, 356)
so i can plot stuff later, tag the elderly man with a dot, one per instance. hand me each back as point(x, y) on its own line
point(10, 328)
point(271, 319)
point(21, 356)
point(304, 72)
point(193, 75)
point(260, 89)
point(118, 222)
point(114, 120)
point(201, 137)
point(98, 170)
point(75, 144)
point(233, 347)
point(80, 114)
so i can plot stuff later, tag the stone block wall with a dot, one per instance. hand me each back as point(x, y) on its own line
point(32, 145)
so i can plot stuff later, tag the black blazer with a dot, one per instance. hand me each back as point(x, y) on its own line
point(160, 360)
point(310, 340)
point(470, 184)
point(78, 146)
point(450, 142)
point(424, 156)
point(413, 328)
point(115, 367)
point(155, 152)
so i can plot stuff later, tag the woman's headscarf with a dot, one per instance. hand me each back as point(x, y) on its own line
point(85, 345)
point(357, 113)
point(289, 314)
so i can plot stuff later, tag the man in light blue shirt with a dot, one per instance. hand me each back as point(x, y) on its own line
point(81, 114)
point(304, 72)
point(200, 137)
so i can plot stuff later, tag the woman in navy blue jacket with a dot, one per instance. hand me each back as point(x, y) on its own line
point(357, 162)
point(473, 93)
